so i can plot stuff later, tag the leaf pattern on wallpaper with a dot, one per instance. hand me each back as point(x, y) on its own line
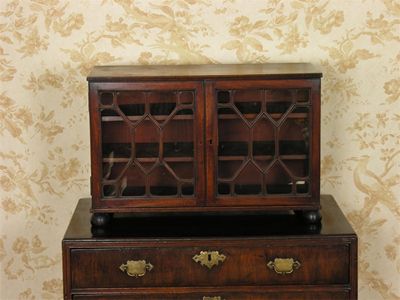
point(345, 56)
point(55, 17)
point(47, 47)
point(14, 119)
point(318, 16)
point(247, 39)
point(86, 56)
point(28, 257)
point(339, 93)
point(44, 81)
point(52, 288)
point(176, 29)
point(7, 70)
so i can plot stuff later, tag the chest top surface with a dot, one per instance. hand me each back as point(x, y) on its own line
point(228, 71)
point(209, 226)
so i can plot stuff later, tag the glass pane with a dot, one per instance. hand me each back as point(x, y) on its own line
point(162, 183)
point(147, 139)
point(263, 143)
point(186, 97)
point(223, 96)
point(303, 96)
point(233, 134)
point(302, 187)
point(156, 138)
point(133, 184)
point(106, 98)
point(249, 181)
point(178, 140)
point(294, 137)
point(248, 102)
point(267, 130)
point(278, 180)
point(279, 102)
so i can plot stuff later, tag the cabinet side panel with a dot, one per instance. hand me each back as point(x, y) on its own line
point(316, 139)
point(95, 146)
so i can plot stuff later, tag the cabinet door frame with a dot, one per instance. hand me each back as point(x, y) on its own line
point(115, 204)
point(279, 201)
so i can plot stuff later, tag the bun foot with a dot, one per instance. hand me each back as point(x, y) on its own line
point(309, 216)
point(100, 219)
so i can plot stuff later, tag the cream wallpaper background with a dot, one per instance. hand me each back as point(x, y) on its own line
point(47, 48)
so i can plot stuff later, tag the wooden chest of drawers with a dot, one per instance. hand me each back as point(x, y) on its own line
point(211, 257)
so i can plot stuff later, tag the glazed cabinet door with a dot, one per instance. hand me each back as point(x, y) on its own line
point(263, 143)
point(148, 150)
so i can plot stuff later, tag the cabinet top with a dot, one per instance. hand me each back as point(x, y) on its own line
point(190, 72)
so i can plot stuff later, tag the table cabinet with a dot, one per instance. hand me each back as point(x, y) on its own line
point(205, 138)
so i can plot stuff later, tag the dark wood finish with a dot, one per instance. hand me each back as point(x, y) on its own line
point(267, 294)
point(171, 72)
point(327, 253)
point(205, 138)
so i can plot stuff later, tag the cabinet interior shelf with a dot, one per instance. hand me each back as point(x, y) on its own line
point(148, 159)
point(264, 157)
point(253, 116)
point(137, 118)
point(190, 159)
point(190, 117)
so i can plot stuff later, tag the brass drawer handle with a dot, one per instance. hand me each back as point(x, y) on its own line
point(209, 259)
point(212, 298)
point(283, 265)
point(136, 268)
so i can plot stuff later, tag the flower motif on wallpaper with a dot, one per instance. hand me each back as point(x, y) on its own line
point(56, 18)
point(33, 43)
point(18, 121)
point(46, 125)
point(26, 295)
point(247, 35)
point(392, 89)
point(10, 206)
point(7, 71)
point(176, 30)
point(66, 172)
point(14, 119)
point(339, 93)
point(381, 29)
point(345, 56)
point(55, 177)
point(43, 81)
point(51, 288)
point(28, 257)
point(86, 56)
point(317, 15)
point(328, 169)
point(292, 41)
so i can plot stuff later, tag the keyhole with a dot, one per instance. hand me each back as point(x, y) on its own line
point(209, 257)
point(210, 141)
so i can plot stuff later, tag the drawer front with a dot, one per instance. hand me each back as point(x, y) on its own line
point(283, 295)
point(169, 266)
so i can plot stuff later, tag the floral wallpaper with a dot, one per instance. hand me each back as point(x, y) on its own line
point(47, 48)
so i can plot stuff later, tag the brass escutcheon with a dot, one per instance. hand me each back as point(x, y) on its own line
point(136, 268)
point(209, 259)
point(212, 298)
point(284, 265)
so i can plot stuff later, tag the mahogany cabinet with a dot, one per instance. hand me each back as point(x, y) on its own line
point(205, 138)
point(259, 256)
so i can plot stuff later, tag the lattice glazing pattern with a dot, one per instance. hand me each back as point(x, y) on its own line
point(263, 142)
point(147, 143)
